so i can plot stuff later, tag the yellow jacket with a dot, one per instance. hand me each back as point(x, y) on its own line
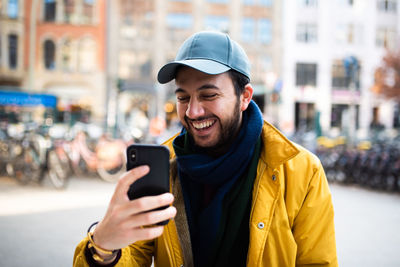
point(291, 221)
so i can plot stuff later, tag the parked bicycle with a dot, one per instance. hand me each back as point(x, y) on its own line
point(31, 156)
point(107, 157)
point(373, 165)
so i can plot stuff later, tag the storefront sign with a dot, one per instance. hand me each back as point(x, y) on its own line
point(27, 99)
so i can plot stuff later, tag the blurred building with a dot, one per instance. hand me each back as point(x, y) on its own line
point(150, 33)
point(11, 43)
point(331, 51)
point(56, 47)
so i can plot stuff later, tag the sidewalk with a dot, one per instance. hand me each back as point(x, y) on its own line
point(41, 226)
point(32, 198)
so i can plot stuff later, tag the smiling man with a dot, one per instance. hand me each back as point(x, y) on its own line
point(244, 194)
point(209, 108)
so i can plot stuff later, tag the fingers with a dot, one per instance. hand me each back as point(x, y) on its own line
point(129, 178)
point(148, 233)
point(112, 234)
point(152, 217)
point(125, 220)
point(144, 204)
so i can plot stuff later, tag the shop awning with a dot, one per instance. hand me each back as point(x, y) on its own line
point(27, 99)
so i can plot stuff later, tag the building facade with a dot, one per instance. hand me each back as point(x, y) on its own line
point(150, 33)
point(313, 61)
point(12, 39)
point(56, 47)
point(331, 51)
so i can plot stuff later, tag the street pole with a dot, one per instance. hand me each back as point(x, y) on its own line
point(353, 115)
point(111, 106)
point(32, 45)
point(351, 67)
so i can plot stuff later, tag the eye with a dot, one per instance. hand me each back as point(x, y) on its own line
point(209, 96)
point(182, 98)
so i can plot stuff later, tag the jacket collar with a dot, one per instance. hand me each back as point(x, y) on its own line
point(276, 150)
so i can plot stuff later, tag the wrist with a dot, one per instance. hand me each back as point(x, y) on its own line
point(99, 254)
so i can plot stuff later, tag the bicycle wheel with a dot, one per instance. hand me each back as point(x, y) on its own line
point(26, 167)
point(111, 174)
point(58, 169)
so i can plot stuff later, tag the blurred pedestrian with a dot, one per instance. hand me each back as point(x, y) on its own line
point(244, 194)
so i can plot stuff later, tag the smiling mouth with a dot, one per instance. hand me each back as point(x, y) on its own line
point(202, 125)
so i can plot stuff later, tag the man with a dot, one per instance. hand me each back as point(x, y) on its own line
point(244, 194)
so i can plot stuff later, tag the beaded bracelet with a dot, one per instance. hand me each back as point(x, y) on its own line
point(93, 247)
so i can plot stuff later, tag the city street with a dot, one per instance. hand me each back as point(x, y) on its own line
point(40, 226)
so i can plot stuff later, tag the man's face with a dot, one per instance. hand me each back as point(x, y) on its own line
point(208, 107)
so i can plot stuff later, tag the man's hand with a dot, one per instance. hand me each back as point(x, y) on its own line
point(125, 220)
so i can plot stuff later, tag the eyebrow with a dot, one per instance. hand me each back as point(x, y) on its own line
point(203, 87)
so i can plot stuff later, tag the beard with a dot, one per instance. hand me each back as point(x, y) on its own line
point(229, 131)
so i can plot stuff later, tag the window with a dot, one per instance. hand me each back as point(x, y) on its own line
point(340, 115)
point(396, 116)
point(219, 23)
point(388, 6)
point(66, 56)
point(304, 116)
point(49, 10)
point(265, 31)
point(266, 3)
point(87, 55)
point(349, 34)
point(307, 33)
point(69, 6)
point(248, 30)
point(341, 77)
point(12, 9)
point(346, 2)
point(49, 52)
point(385, 37)
point(308, 3)
point(145, 68)
point(248, 2)
point(179, 21)
point(12, 51)
point(306, 74)
point(1, 45)
point(263, 34)
point(88, 11)
point(218, 1)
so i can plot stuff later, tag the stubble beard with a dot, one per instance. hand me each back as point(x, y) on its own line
point(229, 131)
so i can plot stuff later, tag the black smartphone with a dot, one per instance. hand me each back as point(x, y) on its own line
point(154, 183)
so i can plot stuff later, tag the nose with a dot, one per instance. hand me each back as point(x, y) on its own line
point(194, 109)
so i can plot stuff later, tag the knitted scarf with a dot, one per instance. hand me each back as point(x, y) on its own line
point(198, 172)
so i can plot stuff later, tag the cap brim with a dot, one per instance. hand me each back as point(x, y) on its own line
point(168, 72)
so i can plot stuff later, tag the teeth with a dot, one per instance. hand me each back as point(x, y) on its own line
point(202, 125)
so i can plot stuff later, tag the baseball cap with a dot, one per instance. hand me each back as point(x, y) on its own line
point(209, 52)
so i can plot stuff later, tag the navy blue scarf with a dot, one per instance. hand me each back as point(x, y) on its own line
point(198, 171)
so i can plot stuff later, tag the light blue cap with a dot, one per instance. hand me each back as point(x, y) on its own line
point(209, 52)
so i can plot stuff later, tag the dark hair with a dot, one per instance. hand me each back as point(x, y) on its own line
point(239, 81)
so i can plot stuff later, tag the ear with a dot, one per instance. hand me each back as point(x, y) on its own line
point(246, 97)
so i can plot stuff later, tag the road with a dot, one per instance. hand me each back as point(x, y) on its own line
point(40, 226)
